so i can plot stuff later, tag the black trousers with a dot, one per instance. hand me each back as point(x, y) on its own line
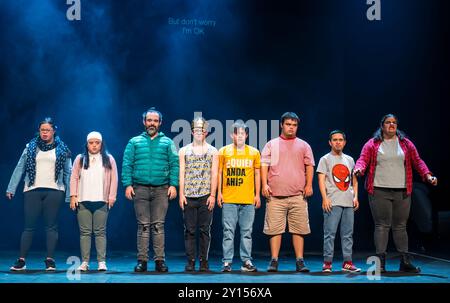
point(39, 202)
point(196, 215)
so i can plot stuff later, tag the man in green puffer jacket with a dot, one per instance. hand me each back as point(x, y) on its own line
point(150, 175)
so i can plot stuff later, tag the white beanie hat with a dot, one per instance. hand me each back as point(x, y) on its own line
point(94, 135)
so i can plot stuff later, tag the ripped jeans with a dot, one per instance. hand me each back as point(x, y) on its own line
point(150, 205)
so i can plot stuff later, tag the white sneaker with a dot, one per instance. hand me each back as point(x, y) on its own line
point(102, 266)
point(84, 266)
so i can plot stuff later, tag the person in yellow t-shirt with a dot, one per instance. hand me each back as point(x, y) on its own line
point(238, 195)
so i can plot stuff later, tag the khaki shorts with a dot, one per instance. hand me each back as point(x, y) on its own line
point(294, 208)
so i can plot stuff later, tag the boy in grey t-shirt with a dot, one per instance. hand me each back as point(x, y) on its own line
point(339, 200)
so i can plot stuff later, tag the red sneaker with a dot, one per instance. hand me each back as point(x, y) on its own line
point(348, 266)
point(327, 267)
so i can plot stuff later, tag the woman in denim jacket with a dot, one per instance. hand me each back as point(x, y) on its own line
point(46, 164)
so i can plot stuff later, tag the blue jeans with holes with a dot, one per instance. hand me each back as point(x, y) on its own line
point(331, 220)
point(244, 214)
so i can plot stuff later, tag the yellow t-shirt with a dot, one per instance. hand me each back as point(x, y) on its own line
point(238, 173)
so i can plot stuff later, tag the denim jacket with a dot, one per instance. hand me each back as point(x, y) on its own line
point(63, 179)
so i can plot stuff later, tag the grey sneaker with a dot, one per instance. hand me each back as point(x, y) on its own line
point(226, 267)
point(273, 266)
point(300, 266)
point(248, 267)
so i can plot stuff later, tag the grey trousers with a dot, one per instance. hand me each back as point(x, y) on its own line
point(92, 217)
point(150, 205)
point(390, 209)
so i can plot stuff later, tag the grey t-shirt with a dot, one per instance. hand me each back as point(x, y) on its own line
point(390, 170)
point(338, 176)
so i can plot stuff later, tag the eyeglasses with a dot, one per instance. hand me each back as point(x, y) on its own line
point(45, 130)
point(198, 131)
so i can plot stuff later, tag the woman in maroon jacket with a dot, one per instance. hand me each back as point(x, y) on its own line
point(388, 158)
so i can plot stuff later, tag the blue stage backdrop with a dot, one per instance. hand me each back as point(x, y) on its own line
point(228, 59)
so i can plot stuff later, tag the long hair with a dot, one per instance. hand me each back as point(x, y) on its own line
point(378, 134)
point(103, 151)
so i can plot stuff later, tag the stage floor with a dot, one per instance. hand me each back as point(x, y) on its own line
point(121, 264)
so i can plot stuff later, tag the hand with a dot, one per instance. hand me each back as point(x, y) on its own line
point(111, 203)
point(355, 204)
point(257, 202)
point(432, 179)
point(129, 192)
point(308, 191)
point(326, 205)
point(357, 172)
point(172, 192)
point(267, 192)
point(182, 201)
point(219, 200)
point(9, 196)
point(210, 202)
point(73, 203)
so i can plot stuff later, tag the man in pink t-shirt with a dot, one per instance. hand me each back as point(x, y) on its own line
point(287, 170)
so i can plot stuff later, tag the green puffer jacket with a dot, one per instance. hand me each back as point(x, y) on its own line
point(150, 162)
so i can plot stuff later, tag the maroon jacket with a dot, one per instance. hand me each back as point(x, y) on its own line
point(368, 159)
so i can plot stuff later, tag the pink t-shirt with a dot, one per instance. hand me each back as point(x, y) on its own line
point(287, 160)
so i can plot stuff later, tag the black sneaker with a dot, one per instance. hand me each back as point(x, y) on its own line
point(19, 265)
point(300, 266)
point(407, 266)
point(160, 266)
point(50, 264)
point(190, 265)
point(273, 266)
point(248, 266)
point(141, 266)
point(204, 266)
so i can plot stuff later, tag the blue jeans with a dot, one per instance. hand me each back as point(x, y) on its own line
point(344, 215)
point(231, 215)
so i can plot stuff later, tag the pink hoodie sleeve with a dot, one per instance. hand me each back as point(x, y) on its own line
point(75, 176)
point(364, 158)
point(114, 180)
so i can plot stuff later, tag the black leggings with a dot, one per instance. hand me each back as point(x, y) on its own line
point(37, 202)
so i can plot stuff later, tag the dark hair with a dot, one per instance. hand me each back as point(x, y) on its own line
point(103, 151)
point(48, 120)
point(289, 115)
point(337, 131)
point(378, 134)
point(152, 110)
point(239, 124)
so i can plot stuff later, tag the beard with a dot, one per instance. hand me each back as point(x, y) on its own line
point(152, 130)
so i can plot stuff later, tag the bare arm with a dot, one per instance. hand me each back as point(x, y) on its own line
point(214, 175)
point(219, 187)
point(182, 162)
point(212, 196)
point(264, 177)
point(309, 179)
point(257, 188)
point(326, 203)
point(355, 193)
